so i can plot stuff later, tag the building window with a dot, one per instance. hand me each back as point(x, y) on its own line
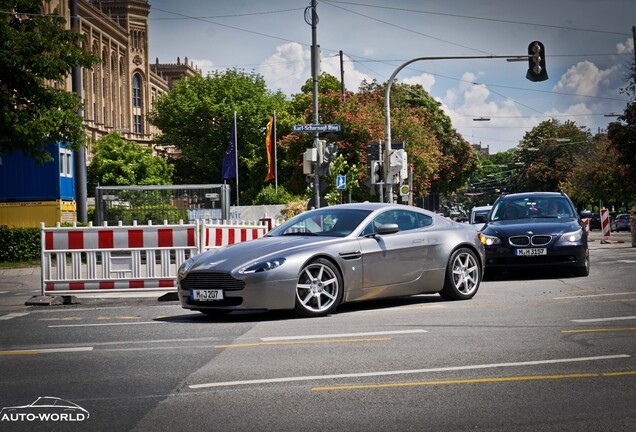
point(136, 88)
point(138, 126)
point(66, 163)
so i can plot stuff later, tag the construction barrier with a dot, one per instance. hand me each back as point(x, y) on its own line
point(120, 258)
point(223, 233)
point(586, 222)
point(605, 222)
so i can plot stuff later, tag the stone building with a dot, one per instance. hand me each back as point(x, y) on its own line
point(119, 92)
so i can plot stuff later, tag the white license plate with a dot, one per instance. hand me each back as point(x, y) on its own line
point(206, 295)
point(531, 252)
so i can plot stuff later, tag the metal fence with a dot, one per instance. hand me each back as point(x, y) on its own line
point(174, 203)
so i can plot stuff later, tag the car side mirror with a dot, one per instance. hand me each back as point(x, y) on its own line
point(389, 228)
point(586, 215)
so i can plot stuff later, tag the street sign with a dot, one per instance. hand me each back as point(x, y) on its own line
point(316, 128)
point(341, 182)
point(404, 190)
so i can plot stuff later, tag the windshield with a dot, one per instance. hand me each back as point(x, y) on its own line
point(532, 207)
point(324, 222)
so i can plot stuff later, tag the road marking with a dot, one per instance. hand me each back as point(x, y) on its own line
point(476, 380)
point(45, 351)
point(105, 324)
point(3, 292)
point(61, 319)
point(423, 307)
point(593, 295)
point(599, 330)
point(405, 372)
point(604, 319)
point(12, 315)
point(302, 342)
point(341, 335)
point(614, 300)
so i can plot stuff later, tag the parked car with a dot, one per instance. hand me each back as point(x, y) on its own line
point(535, 229)
point(479, 215)
point(595, 222)
point(622, 222)
point(325, 257)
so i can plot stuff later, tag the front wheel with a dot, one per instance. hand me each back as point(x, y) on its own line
point(463, 275)
point(584, 270)
point(319, 289)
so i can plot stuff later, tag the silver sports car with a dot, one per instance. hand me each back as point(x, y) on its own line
point(346, 253)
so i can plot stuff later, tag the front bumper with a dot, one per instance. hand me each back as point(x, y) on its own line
point(503, 257)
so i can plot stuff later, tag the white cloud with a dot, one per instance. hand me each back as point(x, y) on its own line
point(585, 78)
point(288, 68)
point(425, 80)
point(626, 47)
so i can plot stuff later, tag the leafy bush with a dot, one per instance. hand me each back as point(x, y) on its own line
point(19, 244)
point(268, 195)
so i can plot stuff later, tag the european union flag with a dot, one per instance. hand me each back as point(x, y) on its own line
point(229, 160)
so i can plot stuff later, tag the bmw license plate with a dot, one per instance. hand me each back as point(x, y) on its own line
point(531, 252)
point(206, 295)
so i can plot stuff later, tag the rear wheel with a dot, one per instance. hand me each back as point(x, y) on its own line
point(463, 275)
point(319, 289)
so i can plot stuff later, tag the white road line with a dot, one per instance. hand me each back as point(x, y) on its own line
point(339, 335)
point(405, 372)
point(3, 292)
point(105, 324)
point(12, 315)
point(47, 350)
point(593, 295)
point(604, 319)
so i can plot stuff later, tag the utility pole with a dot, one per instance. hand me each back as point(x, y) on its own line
point(315, 72)
point(79, 159)
point(342, 84)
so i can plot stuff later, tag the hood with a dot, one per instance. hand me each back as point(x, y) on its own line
point(228, 258)
point(538, 226)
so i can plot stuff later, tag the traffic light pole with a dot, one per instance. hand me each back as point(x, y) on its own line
point(387, 102)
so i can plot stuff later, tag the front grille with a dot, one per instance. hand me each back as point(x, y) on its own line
point(541, 240)
point(206, 280)
point(519, 241)
point(538, 240)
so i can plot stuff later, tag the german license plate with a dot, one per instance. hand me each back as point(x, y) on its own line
point(531, 252)
point(206, 295)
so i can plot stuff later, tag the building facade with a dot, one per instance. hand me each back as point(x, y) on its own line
point(119, 92)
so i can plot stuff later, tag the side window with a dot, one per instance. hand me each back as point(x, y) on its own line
point(406, 220)
point(424, 220)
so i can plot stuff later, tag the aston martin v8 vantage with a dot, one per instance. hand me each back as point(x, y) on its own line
point(322, 258)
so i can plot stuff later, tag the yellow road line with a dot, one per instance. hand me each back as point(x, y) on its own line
point(302, 342)
point(475, 381)
point(598, 330)
point(18, 352)
point(424, 307)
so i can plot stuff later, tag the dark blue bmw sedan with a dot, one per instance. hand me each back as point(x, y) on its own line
point(535, 229)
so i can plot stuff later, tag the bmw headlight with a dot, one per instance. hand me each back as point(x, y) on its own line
point(185, 268)
point(571, 237)
point(489, 240)
point(261, 266)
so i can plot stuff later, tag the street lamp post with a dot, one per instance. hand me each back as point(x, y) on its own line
point(387, 101)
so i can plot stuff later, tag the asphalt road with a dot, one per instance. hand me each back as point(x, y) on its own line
point(537, 351)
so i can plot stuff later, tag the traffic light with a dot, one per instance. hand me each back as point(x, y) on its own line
point(376, 172)
point(536, 63)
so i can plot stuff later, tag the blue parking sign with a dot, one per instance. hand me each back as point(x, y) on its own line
point(341, 182)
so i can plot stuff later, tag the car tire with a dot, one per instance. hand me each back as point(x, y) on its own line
point(463, 275)
point(319, 289)
point(584, 270)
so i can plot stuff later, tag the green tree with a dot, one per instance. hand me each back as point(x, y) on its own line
point(118, 162)
point(196, 116)
point(548, 154)
point(36, 50)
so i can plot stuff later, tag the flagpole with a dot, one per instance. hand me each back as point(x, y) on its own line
point(236, 159)
point(275, 158)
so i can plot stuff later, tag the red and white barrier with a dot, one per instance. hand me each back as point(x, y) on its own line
point(605, 222)
point(93, 259)
point(220, 234)
point(586, 222)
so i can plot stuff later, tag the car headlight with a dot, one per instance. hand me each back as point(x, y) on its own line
point(184, 269)
point(488, 240)
point(268, 264)
point(571, 237)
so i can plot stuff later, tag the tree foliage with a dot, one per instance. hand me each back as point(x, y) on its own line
point(436, 151)
point(34, 49)
point(196, 116)
point(118, 162)
point(548, 154)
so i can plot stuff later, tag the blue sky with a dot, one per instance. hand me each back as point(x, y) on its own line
point(589, 46)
